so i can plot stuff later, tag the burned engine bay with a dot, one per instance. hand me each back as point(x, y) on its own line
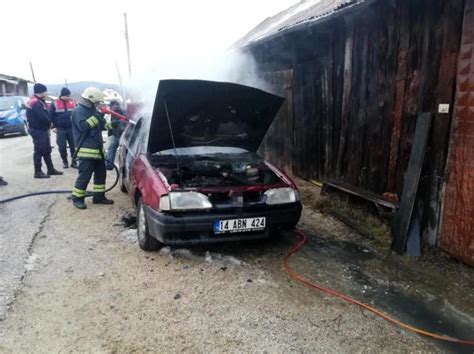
point(214, 170)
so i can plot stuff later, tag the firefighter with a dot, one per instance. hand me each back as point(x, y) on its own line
point(87, 126)
point(118, 126)
point(38, 127)
point(60, 114)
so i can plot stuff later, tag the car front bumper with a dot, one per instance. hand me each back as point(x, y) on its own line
point(8, 127)
point(196, 228)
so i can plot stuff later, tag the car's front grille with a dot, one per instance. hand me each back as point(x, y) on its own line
point(252, 197)
point(218, 198)
point(224, 200)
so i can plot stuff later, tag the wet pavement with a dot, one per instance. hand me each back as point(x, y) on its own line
point(397, 292)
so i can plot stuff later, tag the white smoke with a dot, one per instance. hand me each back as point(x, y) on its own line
point(231, 66)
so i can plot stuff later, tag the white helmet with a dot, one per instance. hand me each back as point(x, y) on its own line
point(93, 94)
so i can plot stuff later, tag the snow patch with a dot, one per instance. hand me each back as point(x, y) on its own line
point(31, 262)
point(232, 260)
point(183, 252)
point(208, 257)
point(223, 259)
point(129, 235)
point(165, 251)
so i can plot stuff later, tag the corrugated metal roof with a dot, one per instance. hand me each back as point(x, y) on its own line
point(12, 78)
point(302, 12)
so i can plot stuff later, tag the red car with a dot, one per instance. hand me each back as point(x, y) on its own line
point(192, 170)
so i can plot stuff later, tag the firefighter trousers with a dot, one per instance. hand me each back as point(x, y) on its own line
point(87, 168)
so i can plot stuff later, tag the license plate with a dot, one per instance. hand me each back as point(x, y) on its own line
point(239, 225)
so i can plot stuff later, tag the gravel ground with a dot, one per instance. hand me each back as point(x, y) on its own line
point(89, 288)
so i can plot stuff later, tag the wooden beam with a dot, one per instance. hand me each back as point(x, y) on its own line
point(400, 83)
point(412, 178)
point(346, 95)
point(359, 192)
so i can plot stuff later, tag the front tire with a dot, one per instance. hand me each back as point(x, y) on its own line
point(145, 240)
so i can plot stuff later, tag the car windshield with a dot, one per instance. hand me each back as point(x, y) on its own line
point(7, 103)
point(202, 150)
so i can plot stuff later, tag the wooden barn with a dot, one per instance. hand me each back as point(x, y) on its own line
point(357, 74)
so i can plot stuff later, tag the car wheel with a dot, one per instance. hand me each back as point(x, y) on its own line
point(24, 130)
point(145, 240)
point(123, 189)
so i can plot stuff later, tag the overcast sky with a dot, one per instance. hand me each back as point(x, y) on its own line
point(79, 40)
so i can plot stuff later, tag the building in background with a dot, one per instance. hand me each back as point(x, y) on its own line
point(13, 86)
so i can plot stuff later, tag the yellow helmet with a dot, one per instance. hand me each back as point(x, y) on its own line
point(93, 94)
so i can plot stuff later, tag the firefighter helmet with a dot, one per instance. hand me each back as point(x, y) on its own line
point(93, 94)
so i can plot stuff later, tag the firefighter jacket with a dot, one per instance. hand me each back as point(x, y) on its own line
point(87, 126)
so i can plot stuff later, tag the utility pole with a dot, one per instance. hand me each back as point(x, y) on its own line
point(120, 81)
point(128, 46)
point(32, 72)
point(65, 81)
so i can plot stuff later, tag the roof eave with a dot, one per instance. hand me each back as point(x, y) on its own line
point(309, 23)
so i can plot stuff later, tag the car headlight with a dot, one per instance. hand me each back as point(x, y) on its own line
point(281, 196)
point(182, 201)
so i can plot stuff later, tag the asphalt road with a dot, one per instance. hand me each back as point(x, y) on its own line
point(76, 281)
point(20, 221)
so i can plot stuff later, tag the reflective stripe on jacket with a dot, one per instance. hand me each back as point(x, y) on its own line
point(88, 122)
point(87, 153)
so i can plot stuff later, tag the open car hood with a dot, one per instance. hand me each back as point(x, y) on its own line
point(207, 113)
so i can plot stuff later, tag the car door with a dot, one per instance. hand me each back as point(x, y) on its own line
point(132, 148)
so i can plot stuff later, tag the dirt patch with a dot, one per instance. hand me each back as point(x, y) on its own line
point(431, 292)
point(90, 288)
point(368, 221)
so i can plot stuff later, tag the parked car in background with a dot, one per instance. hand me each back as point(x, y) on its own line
point(192, 171)
point(13, 115)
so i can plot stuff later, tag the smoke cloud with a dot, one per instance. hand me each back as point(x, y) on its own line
point(231, 66)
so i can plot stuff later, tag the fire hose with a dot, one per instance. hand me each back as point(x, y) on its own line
point(294, 275)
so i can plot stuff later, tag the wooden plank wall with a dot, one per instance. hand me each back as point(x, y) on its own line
point(278, 146)
point(457, 236)
point(355, 96)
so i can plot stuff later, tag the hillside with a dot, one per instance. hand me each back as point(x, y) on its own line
point(77, 87)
